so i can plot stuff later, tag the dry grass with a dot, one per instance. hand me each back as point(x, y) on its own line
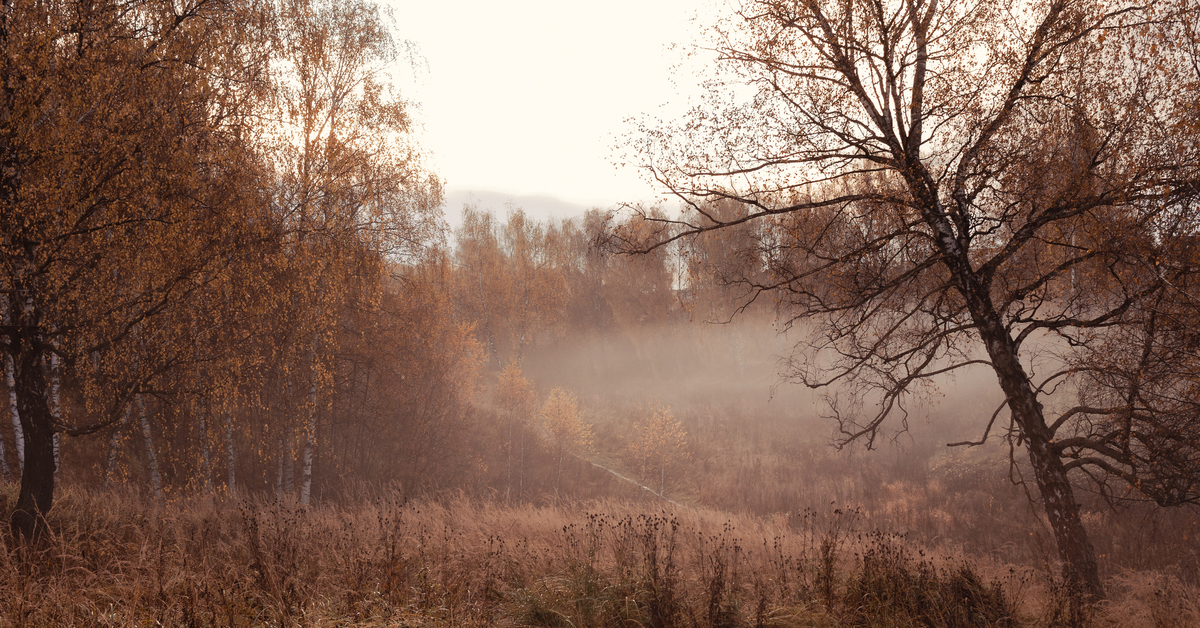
point(747, 459)
point(751, 455)
point(114, 560)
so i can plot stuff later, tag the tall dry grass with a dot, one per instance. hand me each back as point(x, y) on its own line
point(758, 460)
point(114, 559)
point(759, 449)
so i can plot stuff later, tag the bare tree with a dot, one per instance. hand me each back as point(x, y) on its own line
point(943, 185)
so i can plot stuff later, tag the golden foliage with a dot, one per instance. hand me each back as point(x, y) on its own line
point(199, 206)
point(659, 440)
point(562, 423)
point(515, 394)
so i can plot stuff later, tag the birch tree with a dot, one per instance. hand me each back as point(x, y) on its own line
point(658, 441)
point(481, 281)
point(352, 189)
point(122, 179)
point(564, 428)
point(946, 185)
point(404, 390)
point(517, 401)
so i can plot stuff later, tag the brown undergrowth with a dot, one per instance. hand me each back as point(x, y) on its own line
point(115, 560)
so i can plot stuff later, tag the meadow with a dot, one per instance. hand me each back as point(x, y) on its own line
point(762, 523)
point(381, 560)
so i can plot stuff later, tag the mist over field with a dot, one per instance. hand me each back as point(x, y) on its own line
point(682, 433)
point(914, 343)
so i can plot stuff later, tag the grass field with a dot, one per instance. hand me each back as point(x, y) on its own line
point(115, 560)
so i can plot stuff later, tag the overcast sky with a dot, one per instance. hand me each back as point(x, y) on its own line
point(530, 98)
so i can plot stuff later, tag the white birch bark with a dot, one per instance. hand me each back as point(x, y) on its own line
point(11, 381)
point(306, 471)
point(114, 450)
point(307, 461)
point(5, 472)
point(12, 402)
point(151, 457)
point(310, 427)
point(18, 433)
point(55, 407)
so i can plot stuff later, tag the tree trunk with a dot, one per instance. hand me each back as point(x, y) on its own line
point(18, 433)
point(29, 381)
point(524, 323)
point(662, 478)
point(10, 167)
point(151, 456)
point(55, 408)
point(487, 324)
point(4, 470)
point(289, 465)
point(37, 478)
point(114, 449)
point(205, 453)
point(1080, 571)
point(558, 476)
point(310, 427)
point(12, 410)
point(307, 460)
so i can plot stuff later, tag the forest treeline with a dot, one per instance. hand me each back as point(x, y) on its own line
point(421, 383)
point(225, 266)
point(221, 256)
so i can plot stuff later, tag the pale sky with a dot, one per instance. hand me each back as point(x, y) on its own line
point(530, 98)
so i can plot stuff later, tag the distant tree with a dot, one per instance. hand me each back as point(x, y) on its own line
point(564, 428)
point(584, 268)
point(640, 290)
point(946, 185)
point(537, 290)
point(658, 441)
point(406, 378)
point(480, 281)
point(717, 264)
point(517, 400)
